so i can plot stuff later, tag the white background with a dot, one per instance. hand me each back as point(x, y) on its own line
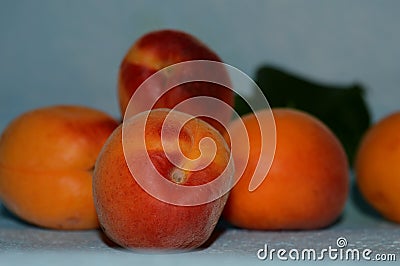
point(68, 52)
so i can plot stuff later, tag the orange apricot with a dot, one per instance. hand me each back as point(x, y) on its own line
point(377, 167)
point(47, 158)
point(307, 184)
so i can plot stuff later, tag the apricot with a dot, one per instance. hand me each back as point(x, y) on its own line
point(159, 49)
point(307, 184)
point(46, 162)
point(377, 166)
point(181, 216)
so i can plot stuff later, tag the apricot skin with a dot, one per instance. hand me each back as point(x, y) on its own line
point(133, 218)
point(308, 182)
point(159, 49)
point(46, 161)
point(377, 167)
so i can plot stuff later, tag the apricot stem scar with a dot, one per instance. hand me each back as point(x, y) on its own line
point(178, 176)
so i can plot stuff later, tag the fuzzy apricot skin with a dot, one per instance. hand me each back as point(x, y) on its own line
point(162, 48)
point(308, 182)
point(47, 158)
point(134, 219)
point(377, 166)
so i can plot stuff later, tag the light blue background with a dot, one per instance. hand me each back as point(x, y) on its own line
point(68, 52)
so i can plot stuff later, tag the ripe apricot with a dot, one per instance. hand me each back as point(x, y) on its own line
point(308, 182)
point(46, 161)
point(162, 48)
point(377, 166)
point(137, 218)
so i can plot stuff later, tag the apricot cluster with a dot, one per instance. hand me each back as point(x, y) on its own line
point(71, 167)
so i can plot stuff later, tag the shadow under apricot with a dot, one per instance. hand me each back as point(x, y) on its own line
point(218, 231)
point(361, 204)
point(107, 241)
point(8, 215)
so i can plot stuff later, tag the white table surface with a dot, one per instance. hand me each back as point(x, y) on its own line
point(23, 244)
